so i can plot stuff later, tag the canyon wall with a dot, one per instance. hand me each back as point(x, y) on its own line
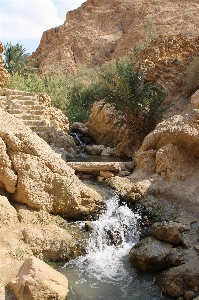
point(99, 31)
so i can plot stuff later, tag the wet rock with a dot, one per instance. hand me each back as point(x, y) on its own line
point(168, 233)
point(149, 254)
point(176, 281)
point(189, 295)
point(131, 197)
point(174, 258)
point(36, 280)
point(88, 226)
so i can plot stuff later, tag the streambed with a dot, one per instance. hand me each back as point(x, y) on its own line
point(105, 272)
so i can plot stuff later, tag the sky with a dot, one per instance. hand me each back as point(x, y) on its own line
point(24, 21)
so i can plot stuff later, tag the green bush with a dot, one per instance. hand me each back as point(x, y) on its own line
point(84, 88)
point(140, 103)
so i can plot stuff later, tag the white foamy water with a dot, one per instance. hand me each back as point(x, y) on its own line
point(105, 271)
point(112, 237)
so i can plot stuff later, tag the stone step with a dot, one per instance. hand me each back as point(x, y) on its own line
point(34, 123)
point(27, 117)
point(21, 97)
point(27, 112)
point(25, 106)
point(23, 102)
point(39, 129)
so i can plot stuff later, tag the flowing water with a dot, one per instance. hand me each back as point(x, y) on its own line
point(105, 272)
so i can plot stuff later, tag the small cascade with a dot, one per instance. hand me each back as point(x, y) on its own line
point(79, 143)
point(105, 271)
point(106, 259)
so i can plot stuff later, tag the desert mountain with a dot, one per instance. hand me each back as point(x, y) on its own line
point(102, 30)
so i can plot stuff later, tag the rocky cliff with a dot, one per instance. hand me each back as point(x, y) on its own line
point(102, 30)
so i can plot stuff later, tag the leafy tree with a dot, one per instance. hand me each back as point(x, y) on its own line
point(139, 103)
point(16, 60)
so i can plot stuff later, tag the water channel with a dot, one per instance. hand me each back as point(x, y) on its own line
point(104, 272)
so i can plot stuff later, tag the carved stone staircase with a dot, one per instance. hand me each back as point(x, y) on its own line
point(26, 107)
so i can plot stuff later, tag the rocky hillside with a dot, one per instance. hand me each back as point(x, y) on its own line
point(102, 30)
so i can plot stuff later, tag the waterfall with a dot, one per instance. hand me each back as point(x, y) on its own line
point(110, 241)
point(105, 272)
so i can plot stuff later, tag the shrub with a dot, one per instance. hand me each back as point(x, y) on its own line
point(140, 103)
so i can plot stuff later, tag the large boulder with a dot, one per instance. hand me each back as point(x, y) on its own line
point(36, 280)
point(176, 281)
point(103, 125)
point(149, 254)
point(168, 159)
point(50, 242)
point(37, 176)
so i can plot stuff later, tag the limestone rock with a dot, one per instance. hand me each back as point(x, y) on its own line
point(36, 280)
point(8, 215)
point(102, 125)
point(106, 30)
point(94, 149)
point(178, 280)
point(44, 180)
point(172, 169)
point(149, 254)
point(28, 215)
point(35, 111)
point(50, 242)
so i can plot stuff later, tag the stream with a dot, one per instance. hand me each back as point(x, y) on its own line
point(105, 272)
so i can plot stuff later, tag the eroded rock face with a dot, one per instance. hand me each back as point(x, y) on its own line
point(36, 280)
point(8, 215)
point(50, 242)
point(39, 177)
point(103, 125)
point(105, 30)
point(168, 158)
